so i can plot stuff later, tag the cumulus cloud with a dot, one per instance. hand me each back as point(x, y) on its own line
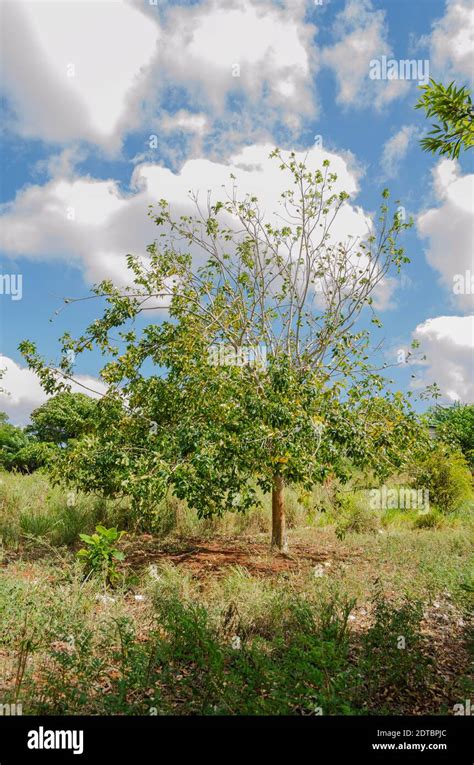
point(396, 149)
point(70, 87)
point(91, 223)
point(452, 42)
point(243, 69)
point(21, 391)
point(450, 229)
point(85, 65)
point(448, 343)
point(248, 64)
point(68, 219)
point(361, 35)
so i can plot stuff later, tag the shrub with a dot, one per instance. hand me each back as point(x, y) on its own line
point(392, 655)
point(447, 477)
point(32, 456)
point(101, 553)
point(355, 516)
point(455, 426)
point(431, 520)
point(302, 667)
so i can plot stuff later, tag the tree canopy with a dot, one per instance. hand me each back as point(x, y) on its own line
point(455, 425)
point(233, 279)
point(62, 417)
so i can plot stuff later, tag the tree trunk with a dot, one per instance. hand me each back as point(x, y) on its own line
point(278, 515)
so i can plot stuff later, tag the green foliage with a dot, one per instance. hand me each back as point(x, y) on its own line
point(455, 426)
point(12, 439)
point(63, 417)
point(176, 653)
point(36, 524)
point(453, 107)
point(301, 668)
point(446, 476)
point(217, 435)
point(188, 662)
point(431, 520)
point(19, 452)
point(355, 516)
point(30, 504)
point(32, 456)
point(100, 554)
point(392, 651)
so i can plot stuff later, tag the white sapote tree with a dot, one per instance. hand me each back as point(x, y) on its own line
point(306, 404)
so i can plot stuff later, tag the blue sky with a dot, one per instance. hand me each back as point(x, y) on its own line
point(120, 103)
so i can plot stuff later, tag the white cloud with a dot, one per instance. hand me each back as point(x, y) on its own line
point(69, 220)
point(62, 164)
point(24, 392)
point(123, 56)
point(85, 65)
point(450, 227)
point(184, 120)
point(361, 35)
point(396, 149)
point(240, 45)
point(448, 342)
point(91, 223)
point(452, 42)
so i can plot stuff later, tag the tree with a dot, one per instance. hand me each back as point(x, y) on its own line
point(64, 416)
point(32, 456)
point(455, 426)
point(20, 452)
point(211, 418)
point(12, 439)
point(453, 107)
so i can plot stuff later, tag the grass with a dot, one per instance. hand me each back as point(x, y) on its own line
point(204, 620)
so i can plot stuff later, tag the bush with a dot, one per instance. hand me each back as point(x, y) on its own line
point(446, 476)
point(391, 652)
point(303, 666)
point(355, 516)
point(101, 553)
point(431, 520)
point(32, 457)
point(455, 426)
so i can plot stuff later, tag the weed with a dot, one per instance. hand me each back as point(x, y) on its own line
point(101, 553)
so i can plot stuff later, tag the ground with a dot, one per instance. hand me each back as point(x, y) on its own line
point(240, 582)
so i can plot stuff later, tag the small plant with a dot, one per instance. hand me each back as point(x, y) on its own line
point(392, 652)
point(431, 520)
point(101, 552)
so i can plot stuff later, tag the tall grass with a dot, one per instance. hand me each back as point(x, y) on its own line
point(30, 508)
